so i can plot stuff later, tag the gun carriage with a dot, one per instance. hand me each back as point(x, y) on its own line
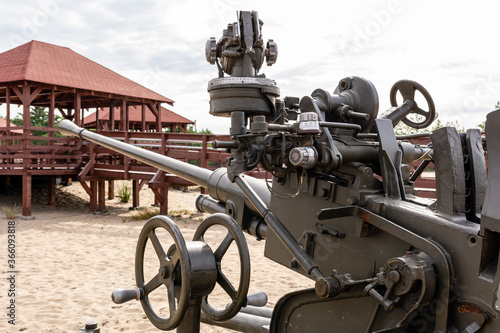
point(341, 208)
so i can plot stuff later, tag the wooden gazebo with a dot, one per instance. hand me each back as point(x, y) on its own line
point(140, 118)
point(39, 74)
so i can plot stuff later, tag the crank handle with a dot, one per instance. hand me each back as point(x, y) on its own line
point(258, 299)
point(121, 295)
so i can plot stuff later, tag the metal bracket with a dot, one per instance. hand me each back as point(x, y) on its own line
point(390, 160)
point(475, 174)
point(490, 215)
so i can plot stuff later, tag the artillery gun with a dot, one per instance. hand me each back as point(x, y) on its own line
point(342, 209)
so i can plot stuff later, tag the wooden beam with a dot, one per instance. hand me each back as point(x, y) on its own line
point(135, 193)
point(158, 119)
point(27, 196)
point(111, 189)
point(143, 117)
point(123, 116)
point(77, 107)
point(127, 118)
point(52, 108)
point(93, 196)
point(26, 107)
point(86, 188)
point(102, 195)
point(97, 119)
point(34, 94)
point(112, 117)
point(17, 92)
point(7, 100)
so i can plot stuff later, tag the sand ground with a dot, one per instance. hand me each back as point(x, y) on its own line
point(69, 261)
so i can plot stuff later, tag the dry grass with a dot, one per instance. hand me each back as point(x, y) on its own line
point(11, 212)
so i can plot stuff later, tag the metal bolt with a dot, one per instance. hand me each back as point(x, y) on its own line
point(90, 325)
point(394, 276)
point(163, 272)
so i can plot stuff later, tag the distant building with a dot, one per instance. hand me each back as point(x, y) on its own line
point(138, 121)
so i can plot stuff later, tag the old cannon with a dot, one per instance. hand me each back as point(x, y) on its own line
point(341, 209)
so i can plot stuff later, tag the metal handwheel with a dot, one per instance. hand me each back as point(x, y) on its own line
point(174, 272)
point(238, 296)
point(407, 89)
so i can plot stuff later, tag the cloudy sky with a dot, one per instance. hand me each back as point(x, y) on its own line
point(450, 47)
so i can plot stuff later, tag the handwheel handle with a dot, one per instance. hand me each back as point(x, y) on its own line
point(407, 88)
point(257, 299)
point(120, 295)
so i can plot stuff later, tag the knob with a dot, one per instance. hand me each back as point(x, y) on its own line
point(303, 156)
point(271, 52)
point(211, 50)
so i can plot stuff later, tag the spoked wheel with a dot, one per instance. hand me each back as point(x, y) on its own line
point(407, 88)
point(174, 272)
point(238, 296)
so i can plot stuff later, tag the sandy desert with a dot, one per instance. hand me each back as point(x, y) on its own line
point(69, 261)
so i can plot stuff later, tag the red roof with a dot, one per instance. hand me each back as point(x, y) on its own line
point(4, 122)
point(60, 66)
point(135, 115)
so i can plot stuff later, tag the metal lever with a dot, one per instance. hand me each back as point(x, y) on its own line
point(257, 299)
point(121, 295)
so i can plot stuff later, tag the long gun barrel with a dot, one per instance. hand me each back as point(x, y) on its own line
point(217, 183)
point(186, 171)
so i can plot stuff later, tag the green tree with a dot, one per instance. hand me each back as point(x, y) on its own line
point(402, 129)
point(497, 106)
point(192, 130)
point(39, 117)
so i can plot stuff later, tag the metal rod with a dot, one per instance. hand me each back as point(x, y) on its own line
point(419, 170)
point(242, 322)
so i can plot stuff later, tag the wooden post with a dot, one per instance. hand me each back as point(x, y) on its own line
point(93, 196)
point(102, 195)
point(158, 120)
point(127, 120)
point(126, 159)
point(52, 125)
point(111, 189)
point(52, 192)
point(164, 201)
point(77, 107)
point(97, 120)
point(112, 117)
point(123, 116)
point(143, 117)
point(7, 100)
point(135, 193)
point(27, 196)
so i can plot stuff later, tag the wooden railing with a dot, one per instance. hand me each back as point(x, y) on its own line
point(192, 148)
point(39, 155)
